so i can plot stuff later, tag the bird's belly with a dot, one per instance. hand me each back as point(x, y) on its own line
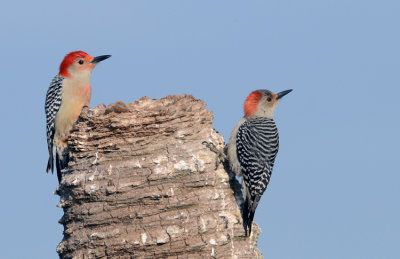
point(73, 100)
point(65, 119)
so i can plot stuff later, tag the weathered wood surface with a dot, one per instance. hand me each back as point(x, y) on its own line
point(142, 185)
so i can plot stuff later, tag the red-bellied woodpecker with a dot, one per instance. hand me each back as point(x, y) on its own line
point(68, 93)
point(252, 149)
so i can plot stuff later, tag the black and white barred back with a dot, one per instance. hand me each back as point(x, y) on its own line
point(52, 105)
point(257, 143)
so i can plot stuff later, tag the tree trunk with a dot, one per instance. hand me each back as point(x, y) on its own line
point(141, 184)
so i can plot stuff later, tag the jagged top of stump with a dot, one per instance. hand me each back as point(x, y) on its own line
point(172, 106)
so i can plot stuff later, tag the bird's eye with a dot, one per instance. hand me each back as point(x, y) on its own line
point(80, 62)
point(269, 99)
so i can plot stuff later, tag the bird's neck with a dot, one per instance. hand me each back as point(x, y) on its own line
point(257, 117)
point(81, 78)
point(265, 111)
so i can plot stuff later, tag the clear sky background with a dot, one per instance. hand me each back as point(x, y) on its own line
point(335, 189)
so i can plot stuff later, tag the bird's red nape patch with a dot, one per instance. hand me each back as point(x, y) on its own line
point(69, 59)
point(251, 103)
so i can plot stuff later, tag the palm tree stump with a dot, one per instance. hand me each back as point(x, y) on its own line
point(140, 184)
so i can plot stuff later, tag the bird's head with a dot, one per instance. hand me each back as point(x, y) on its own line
point(262, 103)
point(79, 63)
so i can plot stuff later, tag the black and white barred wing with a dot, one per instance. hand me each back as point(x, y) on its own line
point(52, 105)
point(257, 145)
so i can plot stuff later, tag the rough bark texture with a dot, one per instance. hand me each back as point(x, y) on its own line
point(141, 184)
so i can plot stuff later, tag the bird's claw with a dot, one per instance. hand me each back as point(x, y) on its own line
point(221, 157)
point(85, 112)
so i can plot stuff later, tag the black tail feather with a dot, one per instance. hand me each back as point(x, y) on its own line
point(249, 209)
point(61, 163)
point(50, 164)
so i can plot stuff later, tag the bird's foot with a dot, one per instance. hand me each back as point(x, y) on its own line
point(85, 113)
point(221, 157)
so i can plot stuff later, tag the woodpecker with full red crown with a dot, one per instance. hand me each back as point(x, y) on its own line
point(252, 148)
point(68, 93)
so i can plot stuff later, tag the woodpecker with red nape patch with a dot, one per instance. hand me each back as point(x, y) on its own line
point(252, 148)
point(68, 93)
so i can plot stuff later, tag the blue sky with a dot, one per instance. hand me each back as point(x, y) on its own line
point(335, 189)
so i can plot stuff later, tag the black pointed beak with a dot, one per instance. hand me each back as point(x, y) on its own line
point(283, 93)
point(100, 58)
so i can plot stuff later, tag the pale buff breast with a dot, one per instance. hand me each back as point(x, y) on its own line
point(75, 96)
